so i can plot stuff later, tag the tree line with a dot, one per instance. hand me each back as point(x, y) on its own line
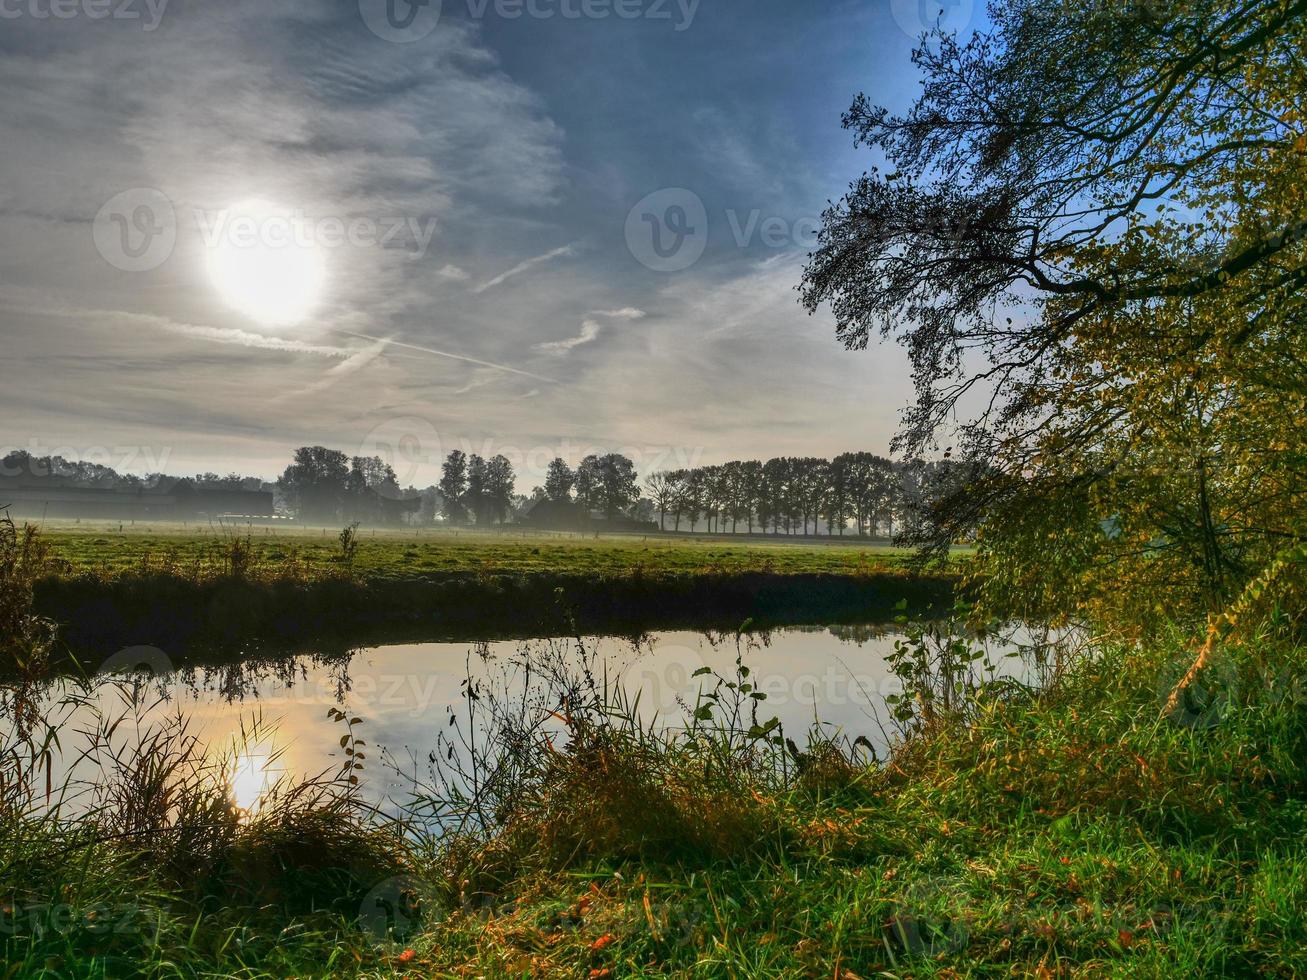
point(854, 493)
point(20, 465)
point(326, 486)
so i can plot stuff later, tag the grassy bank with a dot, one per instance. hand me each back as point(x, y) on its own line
point(1076, 832)
point(1087, 828)
point(110, 549)
point(193, 594)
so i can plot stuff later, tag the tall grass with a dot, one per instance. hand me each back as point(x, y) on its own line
point(26, 638)
point(1064, 831)
point(124, 852)
point(24, 560)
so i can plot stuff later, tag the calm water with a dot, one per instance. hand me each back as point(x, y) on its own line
point(836, 677)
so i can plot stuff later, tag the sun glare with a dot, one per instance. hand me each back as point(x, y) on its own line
point(250, 780)
point(265, 263)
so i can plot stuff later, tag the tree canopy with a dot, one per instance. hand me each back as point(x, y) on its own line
point(1090, 237)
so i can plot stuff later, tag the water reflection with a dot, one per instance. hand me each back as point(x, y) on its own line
point(400, 699)
point(250, 779)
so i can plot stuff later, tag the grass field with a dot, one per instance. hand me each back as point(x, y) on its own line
point(214, 592)
point(105, 548)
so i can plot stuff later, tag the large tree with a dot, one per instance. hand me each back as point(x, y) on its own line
point(661, 489)
point(559, 481)
point(500, 483)
point(619, 488)
point(316, 483)
point(375, 474)
point(589, 483)
point(1093, 224)
point(453, 487)
point(477, 496)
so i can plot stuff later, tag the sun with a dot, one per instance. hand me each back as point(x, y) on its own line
point(265, 263)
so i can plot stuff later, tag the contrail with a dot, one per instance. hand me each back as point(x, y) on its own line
point(444, 353)
point(521, 267)
point(355, 362)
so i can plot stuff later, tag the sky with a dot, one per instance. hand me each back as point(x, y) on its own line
point(537, 227)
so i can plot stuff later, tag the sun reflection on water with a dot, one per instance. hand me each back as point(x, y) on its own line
point(251, 778)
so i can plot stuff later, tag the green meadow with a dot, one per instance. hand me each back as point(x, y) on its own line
point(108, 549)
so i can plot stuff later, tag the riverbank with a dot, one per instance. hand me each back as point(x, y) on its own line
point(1078, 831)
point(196, 596)
point(197, 620)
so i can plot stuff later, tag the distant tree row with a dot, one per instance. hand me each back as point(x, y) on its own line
point(23, 466)
point(858, 493)
point(855, 493)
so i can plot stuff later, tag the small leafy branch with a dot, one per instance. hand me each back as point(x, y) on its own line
point(730, 707)
point(943, 674)
point(351, 744)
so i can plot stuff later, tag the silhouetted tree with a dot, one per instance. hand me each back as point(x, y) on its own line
point(478, 485)
point(375, 474)
point(453, 487)
point(499, 488)
point(618, 486)
point(559, 481)
point(661, 489)
point(316, 483)
point(589, 480)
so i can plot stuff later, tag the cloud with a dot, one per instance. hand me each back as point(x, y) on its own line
point(590, 331)
point(626, 313)
point(19, 299)
point(218, 335)
point(244, 338)
point(322, 119)
point(463, 131)
point(529, 264)
point(479, 379)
